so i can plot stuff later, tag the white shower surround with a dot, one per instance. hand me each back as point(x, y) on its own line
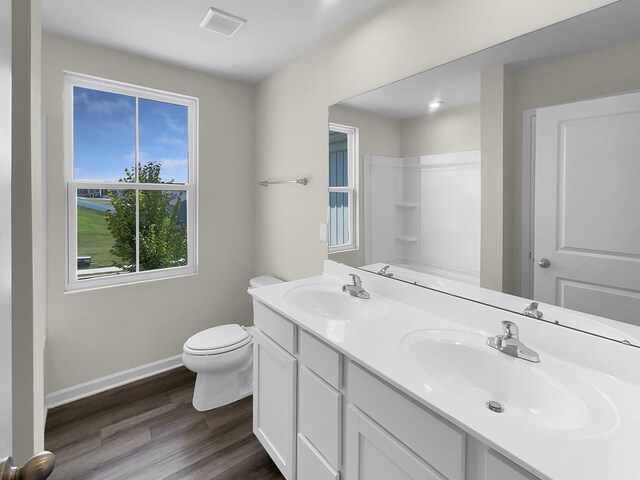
point(423, 213)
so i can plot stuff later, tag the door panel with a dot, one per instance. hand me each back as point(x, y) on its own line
point(596, 298)
point(274, 406)
point(498, 467)
point(587, 203)
point(374, 454)
point(598, 158)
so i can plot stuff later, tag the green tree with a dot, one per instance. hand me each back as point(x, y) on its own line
point(163, 239)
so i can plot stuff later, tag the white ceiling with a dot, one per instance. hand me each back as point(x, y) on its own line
point(458, 83)
point(277, 31)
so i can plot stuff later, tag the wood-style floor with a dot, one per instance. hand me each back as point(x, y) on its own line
point(149, 430)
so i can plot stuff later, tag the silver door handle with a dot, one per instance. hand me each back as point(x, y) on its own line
point(544, 263)
point(38, 467)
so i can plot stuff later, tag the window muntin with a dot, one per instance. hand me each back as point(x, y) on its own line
point(342, 188)
point(131, 181)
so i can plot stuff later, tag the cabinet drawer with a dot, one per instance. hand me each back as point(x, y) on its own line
point(311, 465)
point(276, 327)
point(320, 358)
point(434, 439)
point(320, 415)
point(498, 467)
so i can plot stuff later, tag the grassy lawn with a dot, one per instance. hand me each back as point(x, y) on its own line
point(94, 239)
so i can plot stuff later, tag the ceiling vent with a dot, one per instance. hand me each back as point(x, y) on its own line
point(221, 22)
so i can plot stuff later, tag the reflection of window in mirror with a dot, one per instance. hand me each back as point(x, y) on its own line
point(343, 141)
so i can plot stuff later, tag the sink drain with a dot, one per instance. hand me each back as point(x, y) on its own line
point(495, 406)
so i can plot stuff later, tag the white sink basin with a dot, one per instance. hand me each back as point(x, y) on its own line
point(543, 395)
point(330, 302)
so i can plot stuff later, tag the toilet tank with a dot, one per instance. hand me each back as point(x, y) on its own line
point(263, 281)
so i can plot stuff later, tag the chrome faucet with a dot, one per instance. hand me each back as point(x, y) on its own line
point(355, 289)
point(510, 343)
point(532, 310)
point(383, 271)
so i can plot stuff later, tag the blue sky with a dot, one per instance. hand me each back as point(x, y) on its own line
point(104, 135)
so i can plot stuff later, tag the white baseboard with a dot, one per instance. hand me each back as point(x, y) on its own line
point(70, 394)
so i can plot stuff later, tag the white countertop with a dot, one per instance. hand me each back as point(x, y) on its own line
point(611, 453)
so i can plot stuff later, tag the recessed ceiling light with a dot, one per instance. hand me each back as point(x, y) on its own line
point(221, 22)
point(436, 104)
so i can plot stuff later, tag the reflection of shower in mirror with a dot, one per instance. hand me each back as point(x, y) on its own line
point(425, 213)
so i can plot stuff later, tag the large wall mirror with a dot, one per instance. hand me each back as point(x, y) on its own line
point(512, 170)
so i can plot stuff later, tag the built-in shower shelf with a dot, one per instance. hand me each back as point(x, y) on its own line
point(407, 205)
point(407, 239)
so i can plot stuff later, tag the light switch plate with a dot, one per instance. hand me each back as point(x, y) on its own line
point(323, 232)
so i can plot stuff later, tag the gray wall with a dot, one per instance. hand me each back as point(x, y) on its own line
point(447, 131)
point(99, 332)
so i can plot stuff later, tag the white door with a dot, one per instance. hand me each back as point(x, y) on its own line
point(587, 207)
point(5, 230)
point(274, 395)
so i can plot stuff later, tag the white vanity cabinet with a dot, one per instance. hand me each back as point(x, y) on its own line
point(302, 390)
point(274, 389)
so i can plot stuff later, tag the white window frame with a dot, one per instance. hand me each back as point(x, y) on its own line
point(351, 189)
point(72, 283)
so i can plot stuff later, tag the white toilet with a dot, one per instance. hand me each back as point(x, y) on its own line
point(223, 359)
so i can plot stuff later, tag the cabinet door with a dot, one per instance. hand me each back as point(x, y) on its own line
point(499, 468)
point(274, 404)
point(431, 437)
point(374, 454)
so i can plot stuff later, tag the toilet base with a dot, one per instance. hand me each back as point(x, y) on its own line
point(213, 391)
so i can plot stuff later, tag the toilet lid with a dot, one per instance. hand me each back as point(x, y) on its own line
point(217, 337)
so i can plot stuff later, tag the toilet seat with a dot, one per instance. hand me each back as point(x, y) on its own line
point(217, 340)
